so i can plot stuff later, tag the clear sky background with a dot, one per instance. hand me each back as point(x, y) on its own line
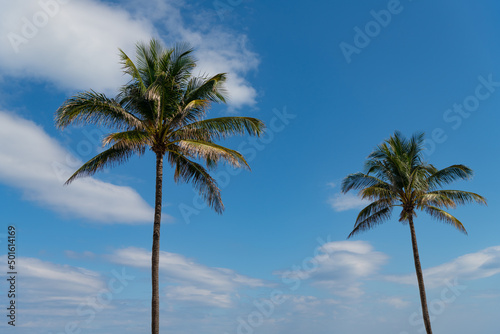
point(331, 79)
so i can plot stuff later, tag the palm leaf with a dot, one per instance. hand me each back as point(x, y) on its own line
point(94, 108)
point(450, 174)
point(109, 158)
point(445, 217)
point(191, 172)
point(222, 127)
point(370, 222)
point(212, 153)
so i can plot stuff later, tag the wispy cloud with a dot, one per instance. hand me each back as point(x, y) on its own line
point(36, 163)
point(344, 202)
point(195, 282)
point(46, 281)
point(340, 267)
point(396, 302)
point(482, 264)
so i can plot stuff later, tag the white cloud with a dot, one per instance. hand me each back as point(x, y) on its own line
point(74, 44)
point(37, 164)
point(192, 294)
point(46, 281)
point(349, 201)
point(52, 297)
point(340, 267)
point(482, 264)
point(196, 282)
point(396, 302)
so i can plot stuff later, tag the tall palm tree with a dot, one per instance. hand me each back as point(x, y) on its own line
point(162, 108)
point(396, 175)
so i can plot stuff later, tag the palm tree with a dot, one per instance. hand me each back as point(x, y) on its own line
point(396, 175)
point(162, 108)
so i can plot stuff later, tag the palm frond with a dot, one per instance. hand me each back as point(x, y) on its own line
point(212, 153)
point(450, 174)
point(129, 68)
point(135, 140)
point(445, 217)
point(460, 197)
point(223, 127)
point(109, 158)
point(211, 89)
point(95, 108)
point(359, 181)
point(191, 172)
point(370, 222)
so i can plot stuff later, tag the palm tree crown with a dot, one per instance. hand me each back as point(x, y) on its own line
point(162, 107)
point(396, 175)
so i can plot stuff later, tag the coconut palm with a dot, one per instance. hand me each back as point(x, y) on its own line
point(162, 108)
point(396, 175)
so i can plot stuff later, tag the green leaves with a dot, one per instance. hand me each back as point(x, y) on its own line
point(94, 108)
point(396, 175)
point(223, 127)
point(109, 158)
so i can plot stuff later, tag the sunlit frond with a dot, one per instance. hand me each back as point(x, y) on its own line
point(94, 108)
point(445, 217)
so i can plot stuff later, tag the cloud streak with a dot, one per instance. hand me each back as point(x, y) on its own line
point(482, 264)
point(344, 202)
point(340, 267)
point(195, 283)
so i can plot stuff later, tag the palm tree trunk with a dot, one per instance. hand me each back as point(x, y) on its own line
point(155, 257)
point(420, 279)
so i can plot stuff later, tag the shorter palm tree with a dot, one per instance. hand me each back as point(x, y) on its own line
point(396, 175)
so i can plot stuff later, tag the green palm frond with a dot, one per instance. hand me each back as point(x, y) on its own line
point(129, 68)
point(191, 172)
point(109, 158)
point(460, 197)
point(434, 199)
point(94, 108)
point(211, 89)
point(378, 192)
point(449, 174)
point(135, 140)
point(212, 153)
point(359, 181)
point(222, 127)
point(373, 208)
point(445, 217)
point(371, 221)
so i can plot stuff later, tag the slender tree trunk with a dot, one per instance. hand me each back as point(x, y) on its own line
point(155, 257)
point(420, 278)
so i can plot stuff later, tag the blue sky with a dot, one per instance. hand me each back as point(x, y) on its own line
point(331, 79)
